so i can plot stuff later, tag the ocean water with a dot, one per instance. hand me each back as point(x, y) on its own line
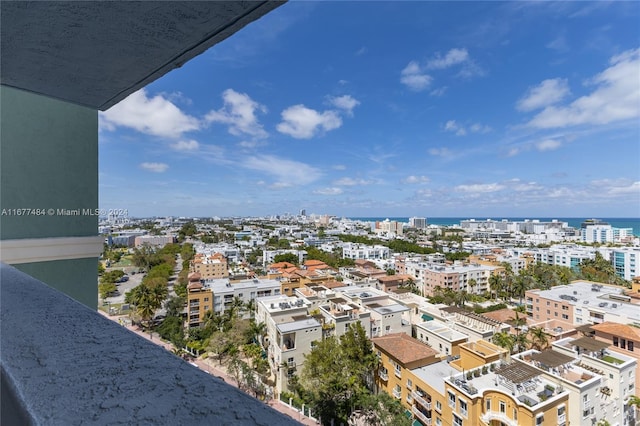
point(574, 222)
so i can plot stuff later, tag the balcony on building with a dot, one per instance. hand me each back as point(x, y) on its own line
point(62, 363)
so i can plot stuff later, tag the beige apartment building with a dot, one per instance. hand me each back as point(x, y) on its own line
point(210, 267)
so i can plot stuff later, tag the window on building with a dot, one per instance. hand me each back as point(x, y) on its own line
point(457, 420)
point(503, 407)
point(463, 408)
point(487, 404)
point(409, 384)
point(398, 370)
point(452, 400)
point(630, 345)
point(615, 341)
point(515, 414)
point(438, 421)
point(206, 299)
point(438, 406)
point(623, 343)
point(539, 419)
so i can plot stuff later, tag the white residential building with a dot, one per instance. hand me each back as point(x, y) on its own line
point(361, 251)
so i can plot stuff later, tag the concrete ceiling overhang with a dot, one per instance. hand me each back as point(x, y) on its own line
point(96, 53)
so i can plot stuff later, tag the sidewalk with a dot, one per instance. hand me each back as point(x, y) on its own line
point(210, 367)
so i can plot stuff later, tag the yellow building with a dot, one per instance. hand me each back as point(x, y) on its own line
point(211, 267)
point(481, 387)
point(199, 300)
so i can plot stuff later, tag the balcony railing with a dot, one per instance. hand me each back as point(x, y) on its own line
point(426, 404)
point(397, 393)
point(54, 349)
point(421, 416)
point(383, 375)
point(488, 416)
point(562, 418)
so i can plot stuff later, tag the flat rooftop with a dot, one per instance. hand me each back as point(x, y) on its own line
point(290, 327)
point(442, 330)
point(584, 296)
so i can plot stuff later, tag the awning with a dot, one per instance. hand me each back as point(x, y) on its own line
point(408, 413)
point(426, 317)
point(416, 423)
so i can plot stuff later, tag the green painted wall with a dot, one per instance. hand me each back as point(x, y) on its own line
point(75, 277)
point(48, 160)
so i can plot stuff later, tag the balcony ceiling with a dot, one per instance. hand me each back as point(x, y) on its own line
point(97, 53)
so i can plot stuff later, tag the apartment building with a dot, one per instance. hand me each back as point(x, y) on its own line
point(583, 302)
point(481, 387)
point(454, 277)
point(621, 338)
point(339, 313)
point(389, 228)
point(154, 240)
point(626, 261)
point(474, 326)
point(442, 338)
point(290, 334)
point(569, 255)
point(362, 251)
point(498, 258)
point(417, 222)
point(604, 233)
point(611, 375)
point(199, 300)
point(210, 267)
point(387, 315)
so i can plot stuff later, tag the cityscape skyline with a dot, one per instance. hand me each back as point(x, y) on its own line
point(470, 109)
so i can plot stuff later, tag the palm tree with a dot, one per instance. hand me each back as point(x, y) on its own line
point(495, 284)
point(461, 298)
point(472, 283)
point(539, 338)
point(504, 340)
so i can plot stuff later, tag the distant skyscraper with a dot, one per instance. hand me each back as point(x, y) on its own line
point(418, 222)
point(303, 212)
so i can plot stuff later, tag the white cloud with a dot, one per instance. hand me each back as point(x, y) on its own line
point(153, 116)
point(287, 172)
point(154, 167)
point(480, 188)
point(328, 191)
point(439, 91)
point(546, 93)
point(453, 57)
point(414, 78)
point(340, 167)
point(190, 145)
point(616, 97)
point(301, 122)
point(345, 102)
point(558, 44)
point(415, 179)
point(440, 152)
point(352, 182)
point(239, 112)
point(452, 126)
point(361, 51)
point(480, 128)
point(548, 145)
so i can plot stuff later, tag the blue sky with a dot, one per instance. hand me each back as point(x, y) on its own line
point(483, 109)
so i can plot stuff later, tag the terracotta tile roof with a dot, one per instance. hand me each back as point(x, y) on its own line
point(621, 330)
point(404, 348)
point(281, 265)
point(502, 315)
point(333, 284)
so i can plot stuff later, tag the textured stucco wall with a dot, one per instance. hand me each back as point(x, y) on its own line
point(70, 366)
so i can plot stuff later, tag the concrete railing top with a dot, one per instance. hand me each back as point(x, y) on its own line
point(63, 364)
